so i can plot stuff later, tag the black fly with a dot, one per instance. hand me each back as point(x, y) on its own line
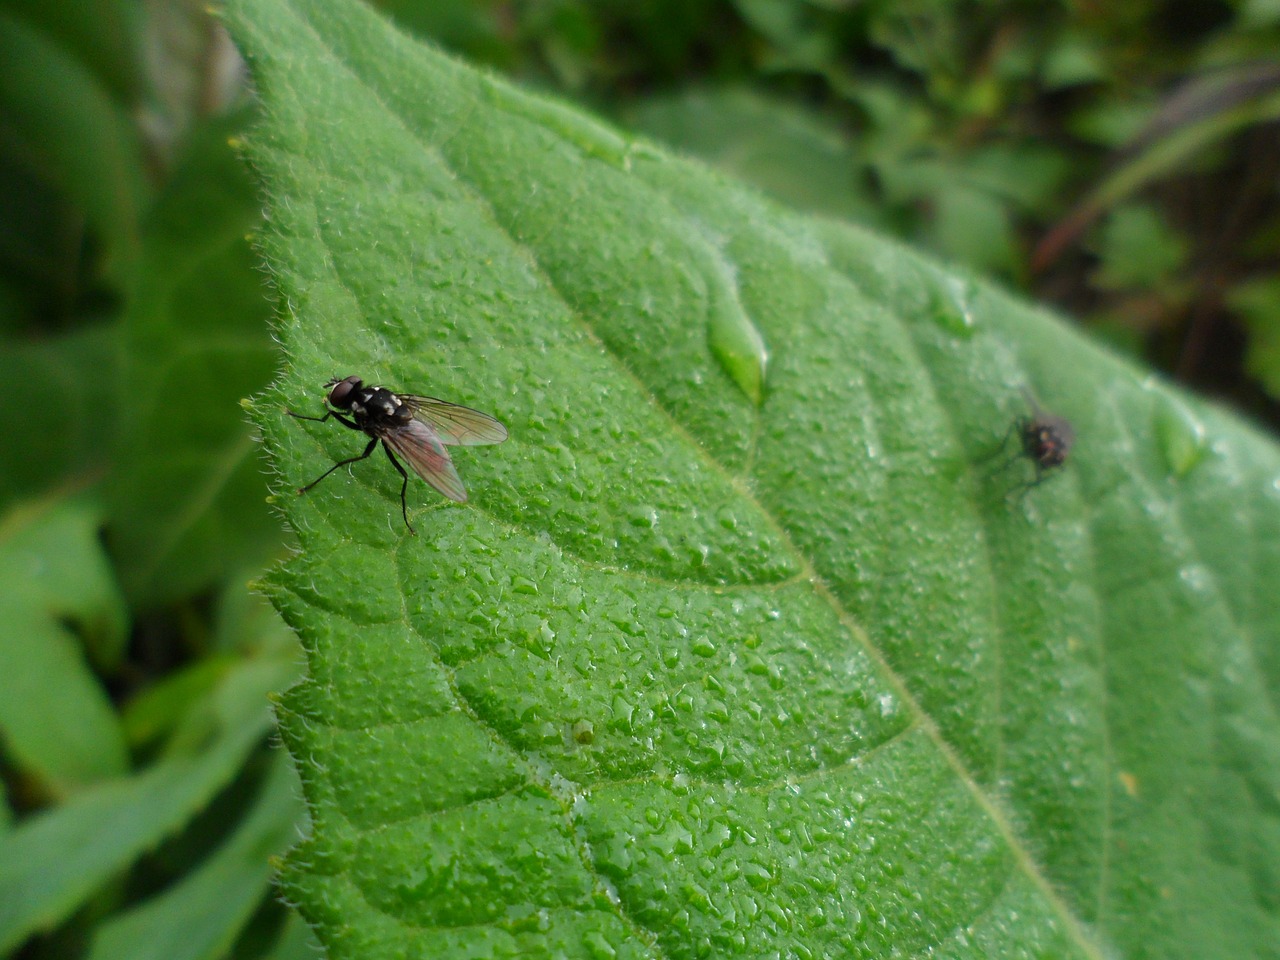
point(1046, 441)
point(417, 428)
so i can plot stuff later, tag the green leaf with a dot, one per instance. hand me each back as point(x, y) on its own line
point(974, 226)
point(101, 35)
point(203, 915)
point(1138, 249)
point(1258, 303)
point(64, 126)
point(186, 495)
point(79, 369)
point(59, 598)
point(296, 941)
point(692, 677)
point(52, 863)
point(247, 628)
point(159, 708)
point(800, 158)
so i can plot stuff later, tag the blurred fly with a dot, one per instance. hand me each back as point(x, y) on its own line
point(1046, 440)
point(416, 428)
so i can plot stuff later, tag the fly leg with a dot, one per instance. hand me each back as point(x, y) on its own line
point(404, 509)
point(341, 463)
point(327, 414)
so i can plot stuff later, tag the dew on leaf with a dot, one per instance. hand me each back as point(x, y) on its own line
point(703, 646)
point(1182, 437)
point(718, 836)
point(730, 869)
point(645, 517)
point(1197, 577)
point(613, 855)
point(953, 305)
point(598, 947)
point(732, 336)
point(695, 895)
point(779, 915)
point(676, 840)
point(727, 518)
point(623, 712)
point(583, 732)
point(756, 875)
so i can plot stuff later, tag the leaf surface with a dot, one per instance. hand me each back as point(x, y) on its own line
point(59, 608)
point(741, 646)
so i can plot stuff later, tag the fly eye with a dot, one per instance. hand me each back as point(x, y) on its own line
point(342, 390)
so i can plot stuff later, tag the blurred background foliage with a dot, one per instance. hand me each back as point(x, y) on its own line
point(1121, 161)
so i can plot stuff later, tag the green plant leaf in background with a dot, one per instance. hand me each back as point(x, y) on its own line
point(201, 917)
point(798, 157)
point(56, 577)
point(52, 863)
point(67, 128)
point(79, 369)
point(693, 675)
point(186, 494)
point(1258, 303)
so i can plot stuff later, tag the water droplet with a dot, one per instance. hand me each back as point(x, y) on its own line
point(1197, 577)
point(717, 837)
point(583, 732)
point(623, 713)
point(1181, 435)
point(727, 518)
point(757, 875)
point(524, 585)
point(953, 305)
point(731, 334)
point(703, 646)
point(646, 517)
point(598, 947)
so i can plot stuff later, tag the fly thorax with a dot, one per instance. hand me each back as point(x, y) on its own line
point(382, 403)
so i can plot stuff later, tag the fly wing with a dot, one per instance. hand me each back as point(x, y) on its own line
point(456, 425)
point(418, 443)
